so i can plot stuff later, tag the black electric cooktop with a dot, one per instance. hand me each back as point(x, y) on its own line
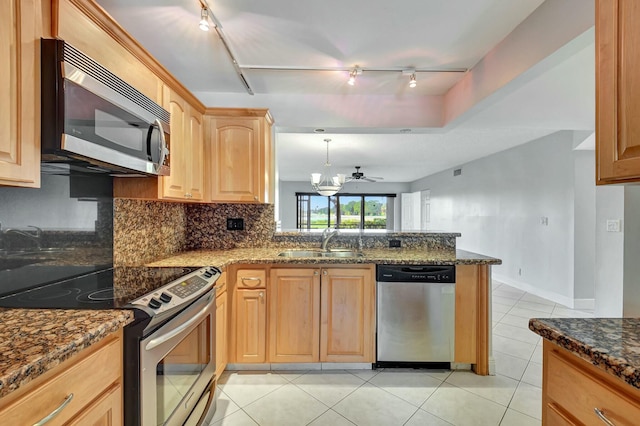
point(110, 288)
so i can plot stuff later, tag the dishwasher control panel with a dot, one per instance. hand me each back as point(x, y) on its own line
point(416, 273)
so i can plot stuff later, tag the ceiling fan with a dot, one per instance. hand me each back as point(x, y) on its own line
point(359, 176)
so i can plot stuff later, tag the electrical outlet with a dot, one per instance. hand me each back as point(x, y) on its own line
point(235, 224)
point(613, 225)
point(395, 243)
point(544, 221)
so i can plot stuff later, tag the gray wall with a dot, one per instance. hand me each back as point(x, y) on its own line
point(500, 203)
point(286, 208)
point(584, 266)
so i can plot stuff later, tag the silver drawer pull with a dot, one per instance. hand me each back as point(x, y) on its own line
point(243, 279)
point(602, 417)
point(55, 412)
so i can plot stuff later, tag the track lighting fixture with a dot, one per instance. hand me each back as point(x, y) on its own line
point(412, 80)
point(204, 19)
point(352, 77)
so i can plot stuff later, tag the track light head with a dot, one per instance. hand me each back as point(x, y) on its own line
point(204, 19)
point(412, 81)
point(352, 77)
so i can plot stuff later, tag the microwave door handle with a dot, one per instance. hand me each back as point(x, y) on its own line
point(162, 149)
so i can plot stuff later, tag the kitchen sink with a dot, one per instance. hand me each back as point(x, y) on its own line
point(320, 253)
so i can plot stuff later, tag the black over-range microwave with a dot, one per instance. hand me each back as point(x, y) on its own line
point(93, 118)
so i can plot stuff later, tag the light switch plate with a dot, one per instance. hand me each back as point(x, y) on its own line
point(613, 225)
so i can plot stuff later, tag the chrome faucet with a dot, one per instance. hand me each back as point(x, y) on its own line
point(327, 235)
point(36, 238)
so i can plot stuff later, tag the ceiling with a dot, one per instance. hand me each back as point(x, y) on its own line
point(529, 72)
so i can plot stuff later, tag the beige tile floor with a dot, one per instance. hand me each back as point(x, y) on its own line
point(389, 397)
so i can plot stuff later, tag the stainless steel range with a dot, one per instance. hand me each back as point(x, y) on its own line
point(169, 348)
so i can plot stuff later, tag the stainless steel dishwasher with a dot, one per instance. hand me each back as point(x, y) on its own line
point(415, 315)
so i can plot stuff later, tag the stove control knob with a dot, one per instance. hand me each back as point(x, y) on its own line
point(208, 274)
point(165, 298)
point(154, 303)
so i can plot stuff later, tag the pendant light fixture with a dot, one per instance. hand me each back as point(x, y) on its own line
point(324, 183)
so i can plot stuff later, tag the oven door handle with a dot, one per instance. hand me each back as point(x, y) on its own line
point(182, 327)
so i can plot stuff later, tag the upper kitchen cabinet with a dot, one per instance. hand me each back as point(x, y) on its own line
point(20, 32)
point(617, 91)
point(239, 155)
point(186, 151)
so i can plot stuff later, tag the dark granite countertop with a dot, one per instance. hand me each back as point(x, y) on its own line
point(224, 258)
point(612, 344)
point(32, 341)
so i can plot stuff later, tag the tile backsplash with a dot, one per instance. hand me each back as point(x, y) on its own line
point(145, 231)
point(207, 225)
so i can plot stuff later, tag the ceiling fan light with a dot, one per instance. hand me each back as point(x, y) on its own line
point(316, 178)
point(204, 19)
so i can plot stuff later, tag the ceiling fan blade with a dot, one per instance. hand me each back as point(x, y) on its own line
point(368, 179)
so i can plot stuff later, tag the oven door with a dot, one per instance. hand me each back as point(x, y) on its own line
point(177, 368)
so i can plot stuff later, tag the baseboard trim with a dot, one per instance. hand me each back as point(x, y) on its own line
point(549, 295)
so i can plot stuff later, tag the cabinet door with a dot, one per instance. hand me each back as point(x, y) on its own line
point(347, 315)
point(175, 185)
point(221, 331)
point(294, 315)
point(20, 27)
point(617, 91)
point(104, 411)
point(236, 162)
point(251, 326)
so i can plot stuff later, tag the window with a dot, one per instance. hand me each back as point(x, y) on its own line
point(344, 211)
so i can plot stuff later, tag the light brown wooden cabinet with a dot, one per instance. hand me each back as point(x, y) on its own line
point(97, 392)
point(250, 316)
point(617, 91)
point(347, 318)
point(222, 327)
point(322, 314)
point(294, 315)
point(186, 150)
point(20, 32)
point(572, 389)
point(239, 153)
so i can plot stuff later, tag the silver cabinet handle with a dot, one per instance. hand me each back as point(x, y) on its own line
point(324, 272)
point(55, 412)
point(261, 294)
point(602, 417)
point(315, 272)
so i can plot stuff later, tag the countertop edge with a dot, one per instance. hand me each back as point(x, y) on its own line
point(616, 366)
point(14, 378)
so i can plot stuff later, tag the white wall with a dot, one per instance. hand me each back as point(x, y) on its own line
point(287, 197)
point(584, 228)
point(498, 204)
point(609, 252)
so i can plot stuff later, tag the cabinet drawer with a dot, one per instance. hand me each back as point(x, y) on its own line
point(86, 379)
point(251, 278)
point(578, 391)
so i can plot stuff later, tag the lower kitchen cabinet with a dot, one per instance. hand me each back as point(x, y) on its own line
point(97, 392)
point(294, 315)
point(322, 314)
point(347, 315)
point(250, 326)
point(572, 389)
point(222, 315)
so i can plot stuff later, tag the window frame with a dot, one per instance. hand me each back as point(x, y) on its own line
point(362, 196)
